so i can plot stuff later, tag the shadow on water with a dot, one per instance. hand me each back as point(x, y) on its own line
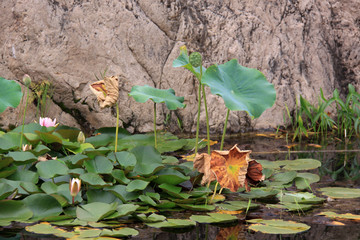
point(340, 168)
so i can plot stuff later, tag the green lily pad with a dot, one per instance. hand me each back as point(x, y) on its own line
point(303, 180)
point(6, 190)
point(148, 160)
point(25, 176)
point(5, 161)
point(51, 169)
point(99, 164)
point(78, 159)
point(173, 223)
point(120, 192)
point(165, 204)
point(152, 218)
point(259, 193)
point(10, 94)
point(277, 226)
point(95, 211)
point(5, 172)
point(240, 87)
point(197, 207)
point(174, 191)
point(118, 233)
point(143, 93)
point(49, 137)
point(214, 218)
point(42, 205)
point(301, 164)
point(123, 210)
point(99, 195)
point(136, 185)
point(46, 228)
point(340, 192)
point(40, 150)
point(94, 180)
point(126, 160)
point(285, 177)
point(170, 176)
point(148, 200)
point(21, 158)
point(237, 205)
point(12, 210)
point(10, 141)
point(101, 140)
point(341, 216)
point(300, 198)
point(119, 175)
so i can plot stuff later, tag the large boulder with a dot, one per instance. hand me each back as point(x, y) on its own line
point(300, 46)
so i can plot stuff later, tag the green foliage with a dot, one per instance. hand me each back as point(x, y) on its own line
point(10, 94)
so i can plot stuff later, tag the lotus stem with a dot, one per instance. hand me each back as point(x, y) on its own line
point(198, 121)
point(221, 190)
point(23, 122)
point(155, 124)
point(117, 126)
point(224, 131)
point(207, 119)
point(212, 198)
point(248, 207)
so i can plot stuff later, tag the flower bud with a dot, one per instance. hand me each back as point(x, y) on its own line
point(74, 186)
point(195, 59)
point(27, 80)
point(81, 137)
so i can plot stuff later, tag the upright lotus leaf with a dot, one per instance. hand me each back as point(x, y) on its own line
point(10, 94)
point(202, 164)
point(183, 61)
point(143, 93)
point(230, 167)
point(42, 205)
point(242, 88)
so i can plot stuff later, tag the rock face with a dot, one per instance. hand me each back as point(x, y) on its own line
point(300, 46)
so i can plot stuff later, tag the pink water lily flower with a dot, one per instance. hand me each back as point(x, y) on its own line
point(47, 122)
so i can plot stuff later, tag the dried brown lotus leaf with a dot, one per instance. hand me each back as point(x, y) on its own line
point(202, 164)
point(106, 91)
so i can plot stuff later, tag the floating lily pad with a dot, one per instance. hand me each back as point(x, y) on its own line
point(340, 192)
point(152, 218)
point(285, 177)
point(170, 176)
point(10, 141)
point(173, 223)
point(303, 180)
point(174, 191)
point(118, 233)
point(99, 195)
point(42, 205)
point(257, 193)
point(126, 160)
point(300, 198)
point(123, 210)
point(46, 228)
point(12, 210)
point(277, 226)
point(214, 218)
point(237, 205)
point(197, 207)
point(119, 175)
point(25, 176)
point(95, 211)
point(136, 185)
point(21, 158)
point(6, 190)
point(99, 164)
point(94, 179)
point(120, 192)
point(148, 200)
point(148, 160)
point(51, 169)
point(301, 164)
point(349, 216)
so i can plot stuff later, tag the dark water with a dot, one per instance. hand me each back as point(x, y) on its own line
point(340, 167)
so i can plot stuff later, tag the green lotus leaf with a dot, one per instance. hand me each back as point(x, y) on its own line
point(99, 195)
point(101, 140)
point(120, 192)
point(340, 192)
point(170, 145)
point(303, 180)
point(14, 184)
point(77, 160)
point(197, 207)
point(12, 210)
point(118, 233)
point(24, 175)
point(67, 132)
point(10, 94)
point(173, 223)
point(237, 205)
point(123, 210)
point(170, 176)
point(214, 218)
point(94, 179)
point(30, 187)
point(119, 175)
point(148, 200)
point(291, 207)
point(153, 195)
point(136, 185)
point(42, 205)
point(299, 198)
point(5, 172)
point(285, 177)
point(166, 204)
point(49, 137)
point(92, 153)
point(21, 158)
point(242, 88)
point(126, 160)
point(51, 169)
point(259, 193)
point(46, 228)
point(152, 218)
point(183, 61)
point(82, 148)
point(6, 190)
point(301, 164)
point(63, 191)
point(10, 141)
point(143, 93)
point(169, 160)
point(341, 216)
point(277, 226)
point(31, 128)
point(40, 150)
point(95, 211)
point(99, 164)
point(174, 191)
point(148, 160)
point(5, 161)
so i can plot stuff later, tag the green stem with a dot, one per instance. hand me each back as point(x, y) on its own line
point(23, 122)
point(207, 119)
point(155, 125)
point(198, 121)
point(117, 126)
point(224, 131)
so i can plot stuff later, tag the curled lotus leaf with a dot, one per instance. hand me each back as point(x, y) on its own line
point(202, 164)
point(254, 174)
point(230, 167)
point(106, 91)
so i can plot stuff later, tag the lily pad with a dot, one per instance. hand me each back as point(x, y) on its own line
point(42, 205)
point(303, 180)
point(21, 158)
point(123, 210)
point(240, 87)
point(12, 210)
point(95, 211)
point(214, 218)
point(94, 180)
point(46, 228)
point(126, 160)
point(277, 226)
point(51, 169)
point(170, 176)
point(148, 160)
point(120, 192)
point(174, 191)
point(99, 195)
point(152, 218)
point(197, 207)
point(349, 216)
point(136, 185)
point(340, 192)
point(143, 93)
point(301, 164)
point(259, 193)
point(119, 175)
point(173, 223)
point(6, 190)
point(99, 164)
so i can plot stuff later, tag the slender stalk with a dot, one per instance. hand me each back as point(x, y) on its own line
point(224, 131)
point(155, 124)
point(23, 122)
point(198, 121)
point(207, 119)
point(117, 126)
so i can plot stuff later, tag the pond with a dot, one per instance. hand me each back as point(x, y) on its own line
point(340, 167)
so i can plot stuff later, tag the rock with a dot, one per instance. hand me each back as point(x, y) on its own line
point(300, 46)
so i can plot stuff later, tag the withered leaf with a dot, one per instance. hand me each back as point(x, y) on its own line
point(106, 91)
point(202, 164)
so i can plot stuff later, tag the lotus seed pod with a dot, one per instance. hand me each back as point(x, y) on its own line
point(195, 59)
point(26, 80)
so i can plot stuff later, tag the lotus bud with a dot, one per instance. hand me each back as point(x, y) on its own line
point(26, 147)
point(81, 137)
point(27, 80)
point(74, 186)
point(195, 59)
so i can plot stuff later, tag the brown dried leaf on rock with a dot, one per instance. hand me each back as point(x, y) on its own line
point(202, 164)
point(230, 167)
point(106, 91)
